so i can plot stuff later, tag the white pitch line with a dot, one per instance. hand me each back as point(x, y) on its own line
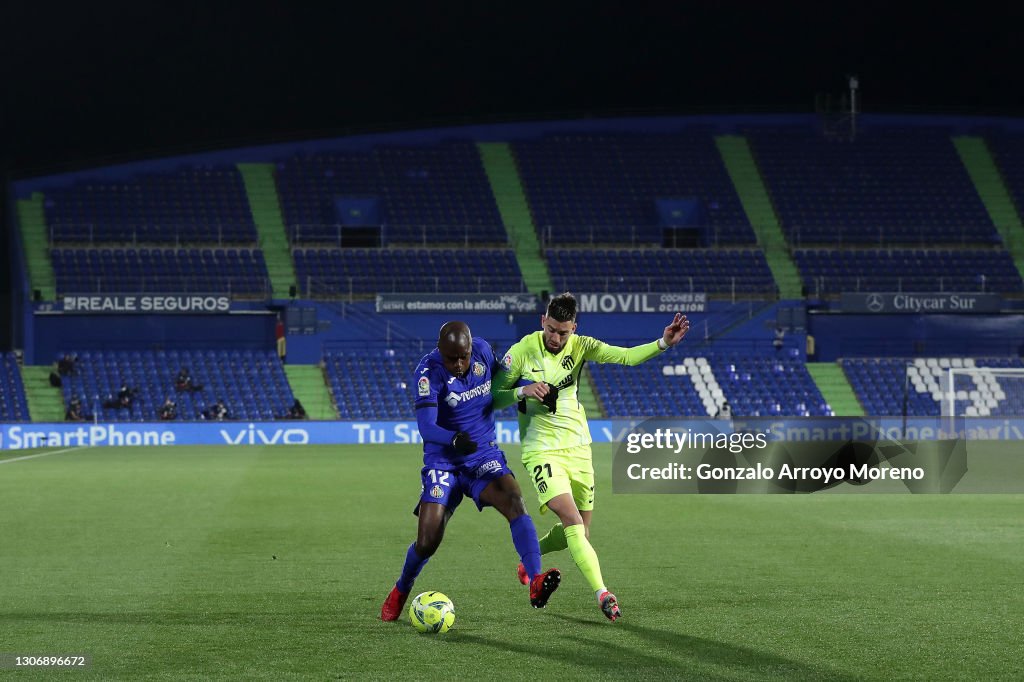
point(39, 454)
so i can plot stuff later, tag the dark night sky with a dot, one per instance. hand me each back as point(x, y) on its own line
point(88, 83)
point(84, 83)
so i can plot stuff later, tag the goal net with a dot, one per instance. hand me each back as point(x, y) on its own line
point(982, 392)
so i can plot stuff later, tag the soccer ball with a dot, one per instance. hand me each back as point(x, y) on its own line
point(432, 612)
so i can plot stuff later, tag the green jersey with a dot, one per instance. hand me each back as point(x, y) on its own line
point(540, 430)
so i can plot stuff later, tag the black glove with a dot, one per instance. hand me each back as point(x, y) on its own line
point(462, 444)
point(551, 399)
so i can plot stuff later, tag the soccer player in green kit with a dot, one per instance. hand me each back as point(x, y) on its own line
point(553, 429)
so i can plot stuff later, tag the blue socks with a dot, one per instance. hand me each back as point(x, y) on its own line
point(413, 565)
point(524, 537)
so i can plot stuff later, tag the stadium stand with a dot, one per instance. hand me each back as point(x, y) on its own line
point(377, 383)
point(602, 189)
point(1008, 150)
point(13, 406)
point(882, 383)
point(431, 195)
point(240, 272)
point(831, 271)
point(698, 385)
point(327, 272)
point(889, 186)
point(251, 383)
point(714, 271)
point(195, 205)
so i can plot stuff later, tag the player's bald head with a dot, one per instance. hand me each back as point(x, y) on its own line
point(454, 338)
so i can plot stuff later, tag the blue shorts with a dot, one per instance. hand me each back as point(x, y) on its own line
point(446, 483)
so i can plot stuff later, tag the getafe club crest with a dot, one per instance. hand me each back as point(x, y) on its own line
point(478, 369)
point(436, 492)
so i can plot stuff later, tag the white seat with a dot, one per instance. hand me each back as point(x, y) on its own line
point(702, 362)
point(983, 412)
point(919, 362)
point(680, 370)
point(957, 362)
point(972, 411)
point(932, 362)
point(689, 362)
point(968, 362)
point(944, 363)
point(668, 371)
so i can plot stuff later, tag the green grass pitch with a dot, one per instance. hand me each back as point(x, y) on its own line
point(272, 563)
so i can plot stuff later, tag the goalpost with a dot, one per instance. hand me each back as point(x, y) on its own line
point(981, 391)
point(963, 389)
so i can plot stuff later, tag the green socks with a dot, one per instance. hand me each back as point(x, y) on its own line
point(554, 541)
point(584, 555)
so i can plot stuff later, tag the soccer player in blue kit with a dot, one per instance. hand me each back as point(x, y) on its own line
point(455, 414)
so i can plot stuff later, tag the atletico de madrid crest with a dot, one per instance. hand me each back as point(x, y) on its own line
point(478, 369)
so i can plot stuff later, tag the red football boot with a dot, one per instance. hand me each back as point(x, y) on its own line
point(610, 606)
point(542, 587)
point(393, 605)
point(524, 577)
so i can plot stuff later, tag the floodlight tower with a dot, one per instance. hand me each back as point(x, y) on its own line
point(854, 84)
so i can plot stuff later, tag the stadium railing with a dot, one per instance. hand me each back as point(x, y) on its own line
point(552, 236)
point(344, 287)
point(883, 236)
point(235, 287)
point(824, 286)
point(94, 234)
point(426, 236)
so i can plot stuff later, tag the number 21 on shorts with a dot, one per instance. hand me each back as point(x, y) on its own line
point(538, 477)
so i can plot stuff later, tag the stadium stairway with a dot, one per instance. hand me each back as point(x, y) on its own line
point(34, 239)
point(746, 178)
point(588, 396)
point(309, 387)
point(987, 179)
point(266, 213)
point(45, 402)
point(835, 388)
point(500, 166)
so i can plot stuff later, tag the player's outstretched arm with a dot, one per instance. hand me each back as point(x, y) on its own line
point(598, 351)
point(502, 397)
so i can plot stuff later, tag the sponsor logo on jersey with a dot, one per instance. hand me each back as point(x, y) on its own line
point(568, 362)
point(423, 386)
point(506, 361)
point(566, 382)
point(454, 399)
point(478, 369)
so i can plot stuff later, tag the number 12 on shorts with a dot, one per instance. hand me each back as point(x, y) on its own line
point(439, 477)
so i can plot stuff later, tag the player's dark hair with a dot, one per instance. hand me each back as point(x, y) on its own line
point(562, 307)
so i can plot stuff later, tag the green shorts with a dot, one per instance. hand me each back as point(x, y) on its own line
point(558, 472)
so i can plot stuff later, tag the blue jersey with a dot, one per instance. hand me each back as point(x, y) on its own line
point(463, 403)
